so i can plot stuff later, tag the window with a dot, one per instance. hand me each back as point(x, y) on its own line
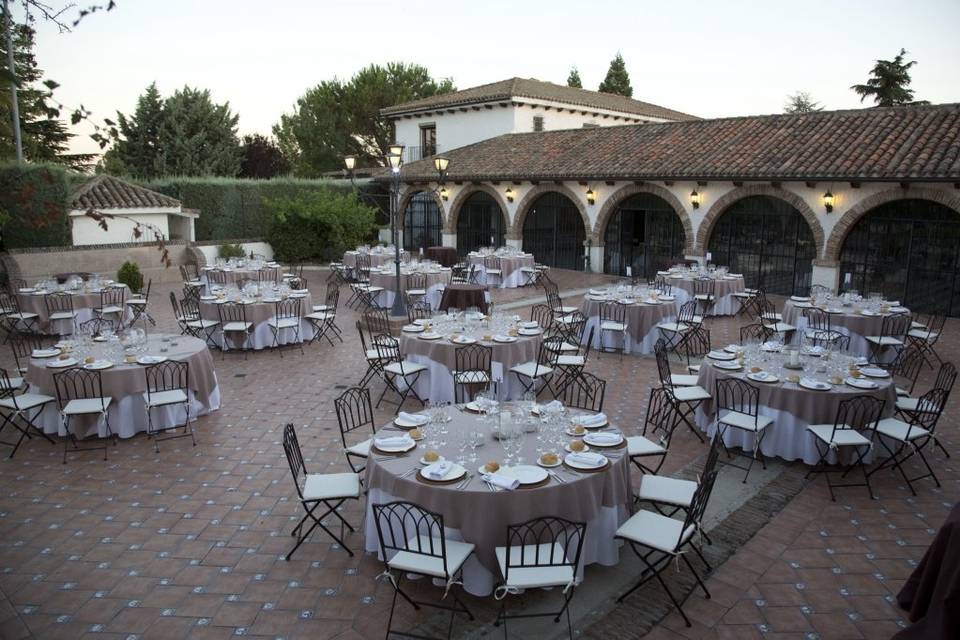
point(428, 140)
point(538, 123)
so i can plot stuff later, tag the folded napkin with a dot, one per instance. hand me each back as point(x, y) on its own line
point(553, 405)
point(810, 382)
point(503, 338)
point(393, 441)
point(437, 470)
point(501, 481)
point(587, 458)
point(530, 324)
point(587, 421)
point(606, 438)
point(413, 417)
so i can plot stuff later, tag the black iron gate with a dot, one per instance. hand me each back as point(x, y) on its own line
point(645, 234)
point(422, 226)
point(480, 223)
point(553, 232)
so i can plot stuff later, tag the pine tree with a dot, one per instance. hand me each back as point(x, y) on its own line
point(573, 80)
point(197, 136)
point(801, 102)
point(138, 151)
point(617, 80)
point(889, 82)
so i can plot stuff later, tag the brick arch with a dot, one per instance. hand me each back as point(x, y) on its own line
point(729, 198)
point(408, 196)
point(623, 193)
point(850, 217)
point(531, 196)
point(465, 193)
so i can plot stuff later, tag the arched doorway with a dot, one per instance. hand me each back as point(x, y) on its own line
point(553, 232)
point(479, 223)
point(422, 223)
point(768, 241)
point(643, 233)
point(910, 251)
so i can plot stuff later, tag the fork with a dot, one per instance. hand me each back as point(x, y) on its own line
point(466, 481)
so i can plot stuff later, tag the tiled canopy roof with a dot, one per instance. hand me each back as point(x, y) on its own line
point(108, 192)
point(899, 143)
point(538, 89)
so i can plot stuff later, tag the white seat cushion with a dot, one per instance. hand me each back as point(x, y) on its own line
point(25, 401)
point(320, 307)
point(457, 553)
point(842, 438)
point(694, 368)
point(202, 324)
point(743, 294)
point(63, 315)
point(326, 486)
point(897, 429)
point(238, 326)
point(283, 323)
point(691, 394)
point(564, 310)
point(667, 490)
point(14, 383)
point(681, 380)
point(745, 421)
point(110, 309)
point(780, 327)
point(564, 346)
point(640, 446)
point(674, 327)
point(655, 531)
point(361, 448)
point(494, 272)
point(531, 370)
point(908, 403)
point(704, 297)
point(532, 577)
point(902, 392)
point(570, 361)
point(771, 315)
point(922, 334)
point(136, 301)
point(87, 405)
point(417, 292)
point(610, 325)
point(698, 319)
point(917, 325)
point(161, 398)
point(471, 377)
point(885, 341)
point(408, 368)
point(320, 316)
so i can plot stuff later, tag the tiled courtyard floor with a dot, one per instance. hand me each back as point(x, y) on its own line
point(189, 543)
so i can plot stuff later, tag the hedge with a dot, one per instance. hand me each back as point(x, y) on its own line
point(234, 207)
point(33, 205)
point(318, 225)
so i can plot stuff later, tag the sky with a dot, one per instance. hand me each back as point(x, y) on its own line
point(708, 58)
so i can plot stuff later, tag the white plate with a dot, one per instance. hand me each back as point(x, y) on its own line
point(728, 366)
point(97, 365)
point(430, 336)
point(626, 301)
point(420, 321)
point(550, 466)
point(440, 459)
point(571, 432)
point(473, 406)
point(530, 332)
point(590, 439)
point(720, 355)
point(205, 298)
point(298, 295)
point(412, 328)
point(504, 339)
point(771, 348)
point(529, 324)
point(733, 348)
point(525, 473)
point(763, 376)
point(667, 298)
point(398, 448)
point(868, 313)
point(151, 359)
point(61, 364)
point(27, 290)
point(567, 448)
point(408, 424)
point(874, 372)
point(578, 465)
point(899, 309)
point(99, 339)
point(483, 469)
point(456, 471)
point(45, 353)
point(818, 386)
point(860, 383)
point(599, 425)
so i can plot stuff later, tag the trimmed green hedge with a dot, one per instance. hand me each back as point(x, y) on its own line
point(235, 207)
point(318, 225)
point(33, 205)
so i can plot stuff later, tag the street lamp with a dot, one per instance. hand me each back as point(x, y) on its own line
point(350, 163)
point(395, 162)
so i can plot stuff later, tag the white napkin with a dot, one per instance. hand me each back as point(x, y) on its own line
point(553, 405)
point(413, 417)
point(501, 481)
point(437, 470)
point(587, 421)
point(815, 349)
point(606, 438)
point(810, 382)
point(393, 441)
point(530, 324)
point(587, 458)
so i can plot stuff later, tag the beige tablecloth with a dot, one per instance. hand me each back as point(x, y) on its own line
point(232, 276)
point(481, 517)
point(724, 289)
point(642, 320)
point(376, 259)
point(845, 320)
point(84, 302)
point(511, 276)
point(258, 313)
point(435, 280)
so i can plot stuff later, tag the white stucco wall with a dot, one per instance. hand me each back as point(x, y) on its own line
point(86, 231)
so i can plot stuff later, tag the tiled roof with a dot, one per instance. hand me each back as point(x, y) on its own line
point(109, 192)
point(538, 89)
point(898, 143)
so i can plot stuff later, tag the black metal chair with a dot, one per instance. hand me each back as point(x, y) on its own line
point(323, 318)
point(492, 269)
point(925, 338)
point(286, 318)
point(535, 375)
point(14, 319)
point(168, 385)
point(906, 406)
point(570, 366)
point(372, 357)
point(315, 489)
point(23, 346)
point(354, 412)
point(419, 310)
point(15, 408)
point(413, 541)
point(80, 394)
point(856, 414)
point(138, 307)
point(819, 328)
point(586, 392)
point(704, 294)
point(543, 315)
point(755, 331)
point(911, 437)
point(112, 303)
point(473, 371)
point(738, 407)
point(685, 398)
point(216, 277)
point(60, 310)
point(906, 369)
point(396, 368)
point(674, 333)
point(660, 417)
point(233, 326)
point(542, 553)
point(696, 346)
point(893, 335)
point(613, 320)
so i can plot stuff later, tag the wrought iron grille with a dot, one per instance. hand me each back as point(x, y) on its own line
point(645, 234)
point(480, 223)
point(422, 226)
point(553, 232)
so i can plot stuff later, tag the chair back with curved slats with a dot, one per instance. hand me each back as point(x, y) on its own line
point(388, 348)
point(408, 527)
point(474, 367)
point(419, 310)
point(818, 320)
point(660, 349)
point(930, 407)
point(354, 411)
point(112, 297)
point(417, 281)
point(183, 274)
point(544, 543)
point(168, 375)
point(58, 302)
point(288, 309)
point(701, 495)
point(705, 287)
point(907, 367)
point(573, 328)
point(291, 447)
point(542, 315)
point(95, 326)
point(687, 313)
point(860, 413)
point(78, 384)
point(23, 345)
point(217, 277)
point(733, 394)
point(696, 344)
point(946, 377)
point(896, 326)
point(613, 311)
point(660, 415)
point(191, 293)
point(586, 391)
point(232, 312)
point(377, 321)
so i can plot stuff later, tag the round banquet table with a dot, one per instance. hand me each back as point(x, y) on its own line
point(446, 256)
point(726, 286)
point(791, 407)
point(511, 275)
point(126, 384)
point(84, 302)
point(642, 320)
point(477, 515)
point(259, 312)
point(232, 275)
point(376, 259)
point(843, 319)
point(463, 296)
point(439, 356)
point(386, 278)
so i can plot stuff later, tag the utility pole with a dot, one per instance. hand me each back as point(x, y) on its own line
point(14, 106)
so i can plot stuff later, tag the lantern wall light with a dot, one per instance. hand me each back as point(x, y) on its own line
point(509, 194)
point(695, 199)
point(443, 193)
point(591, 196)
point(828, 202)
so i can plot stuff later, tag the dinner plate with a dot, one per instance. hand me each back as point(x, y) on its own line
point(151, 359)
point(454, 473)
point(596, 292)
point(530, 332)
point(61, 364)
point(504, 339)
point(733, 348)
point(763, 376)
point(298, 295)
point(412, 328)
point(598, 425)
point(410, 424)
point(626, 301)
point(463, 340)
point(800, 298)
point(591, 439)
point(651, 301)
point(571, 432)
point(579, 465)
point(45, 353)
point(549, 466)
point(567, 448)
point(430, 336)
point(472, 406)
point(771, 348)
point(815, 385)
point(860, 383)
point(99, 339)
point(420, 321)
point(667, 298)
point(97, 365)
point(429, 462)
point(720, 355)
point(597, 298)
point(868, 313)
point(524, 473)
point(816, 351)
point(483, 469)
point(728, 366)
point(396, 448)
point(27, 290)
point(205, 298)
point(874, 372)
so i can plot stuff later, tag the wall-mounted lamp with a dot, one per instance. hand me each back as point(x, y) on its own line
point(695, 199)
point(443, 193)
point(828, 201)
point(591, 196)
point(509, 194)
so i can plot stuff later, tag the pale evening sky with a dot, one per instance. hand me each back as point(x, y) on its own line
point(708, 58)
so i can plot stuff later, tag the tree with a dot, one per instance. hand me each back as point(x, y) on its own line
point(801, 102)
point(262, 158)
point(337, 118)
point(617, 80)
point(573, 80)
point(45, 136)
point(137, 153)
point(889, 82)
